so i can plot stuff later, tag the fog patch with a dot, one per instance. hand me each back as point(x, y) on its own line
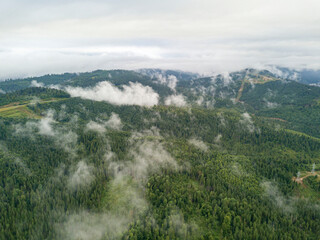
point(34, 83)
point(26, 130)
point(290, 74)
point(238, 170)
point(171, 80)
point(114, 122)
point(62, 115)
point(55, 86)
point(2, 92)
point(153, 131)
point(45, 124)
point(271, 104)
point(147, 157)
point(180, 227)
point(176, 100)
point(91, 226)
point(95, 126)
point(124, 204)
point(198, 144)
point(17, 160)
point(246, 120)
point(124, 201)
point(217, 139)
point(226, 78)
point(223, 121)
point(62, 136)
point(200, 101)
point(81, 177)
point(34, 101)
point(132, 94)
point(272, 192)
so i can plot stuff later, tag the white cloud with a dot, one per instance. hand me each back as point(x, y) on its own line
point(45, 125)
point(271, 104)
point(272, 192)
point(114, 122)
point(133, 94)
point(91, 226)
point(177, 100)
point(217, 139)
point(62, 136)
point(199, 144)
point(148, 157)
point(45, 37)
point(246, 120)
point(82, 176)
point(226, 78)
point(34, 83)
point(172, 82)
point(95, 126)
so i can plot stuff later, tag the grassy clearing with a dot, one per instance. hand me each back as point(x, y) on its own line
point(21, 110)
point(259, 79)
point(304, 190)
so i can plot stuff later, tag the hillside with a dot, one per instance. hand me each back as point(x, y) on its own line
point(157, 154)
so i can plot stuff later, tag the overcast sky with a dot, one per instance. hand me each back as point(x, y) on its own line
point(46, 36)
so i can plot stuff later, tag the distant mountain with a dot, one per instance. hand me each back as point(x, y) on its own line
point(306, 76)
point(180, 75)
point(277, 93)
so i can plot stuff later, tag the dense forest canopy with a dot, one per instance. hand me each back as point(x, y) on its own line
point(155, 154)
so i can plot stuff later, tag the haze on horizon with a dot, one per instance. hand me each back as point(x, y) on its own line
point(39, 37)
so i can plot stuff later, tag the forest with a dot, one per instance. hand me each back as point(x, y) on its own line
point(224, 157)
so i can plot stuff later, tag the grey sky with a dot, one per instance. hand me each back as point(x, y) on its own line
point(42, 36)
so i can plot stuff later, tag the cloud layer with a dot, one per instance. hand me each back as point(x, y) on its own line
point(133, 94)
point(210, 35)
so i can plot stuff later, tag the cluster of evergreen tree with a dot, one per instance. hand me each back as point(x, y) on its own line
point(240, 187)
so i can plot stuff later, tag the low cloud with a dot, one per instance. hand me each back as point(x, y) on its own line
point(132, 94)
point(97, 127)
point(91, 226)
point(81, 177)
point(181, 227)
point(171, 80)
point(147, 158)
point(114, 122)
point(45, 125)
point(246, 120)
point(63, 137)
point(198, 144)
point(176, 100)
point(271, 104)
point(217, 139)
point(34, 83)
point(272, 192)
point(124, 201)
point(226, 78)
point(17, 160)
